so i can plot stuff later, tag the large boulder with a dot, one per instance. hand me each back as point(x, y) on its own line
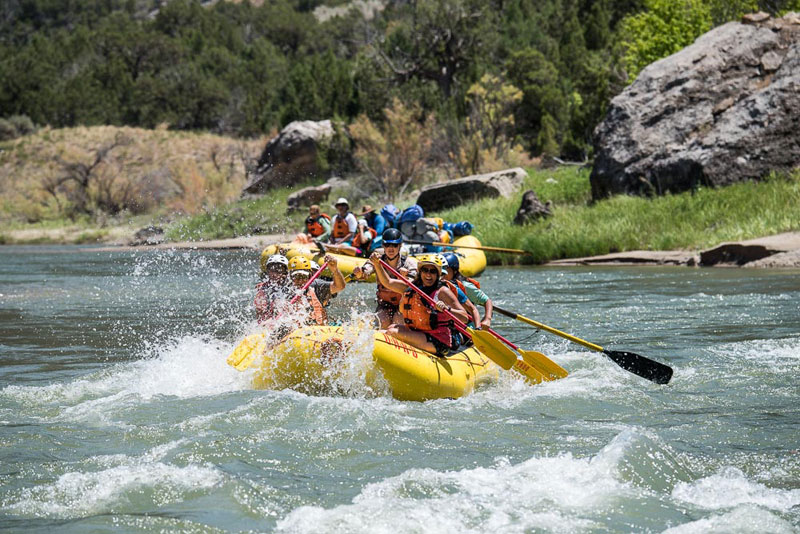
point(531, 209)
point(723, 110)
point(307, 196)
point(299, 152)
point(455, 192)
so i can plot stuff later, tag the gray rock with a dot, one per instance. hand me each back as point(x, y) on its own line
point(292, 156)
point(531, 209)
point(149, 235)
point(455, 192)
point(308, 196)
point(723, 110)
point(752, 250)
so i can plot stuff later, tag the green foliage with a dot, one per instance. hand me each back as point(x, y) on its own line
point(663, 28)
point(581, 228)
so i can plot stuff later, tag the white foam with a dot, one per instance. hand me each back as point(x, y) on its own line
point(185, 367)
point(730, 488)
point(744, 520)
point(77, 494)
point(556, 494)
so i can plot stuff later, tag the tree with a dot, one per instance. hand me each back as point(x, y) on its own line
point(393, 154)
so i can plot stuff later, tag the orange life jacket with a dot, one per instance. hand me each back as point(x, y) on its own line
point(417, 313)
point(318, 314)
point(357, 240)
point(314, 227)
point(471, 280)
point(384, 294)
point(340, 228)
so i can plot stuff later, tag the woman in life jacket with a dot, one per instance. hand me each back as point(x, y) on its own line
point(318, 224)
point(318, 295)
point(425, 327)
point(470, 287)
point(472, 311)
point(275, 290)
point(387, 310)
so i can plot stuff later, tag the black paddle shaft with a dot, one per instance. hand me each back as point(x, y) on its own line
point(641, 366)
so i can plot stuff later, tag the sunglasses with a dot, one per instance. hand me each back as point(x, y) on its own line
point(387, 245)
point(428, 270)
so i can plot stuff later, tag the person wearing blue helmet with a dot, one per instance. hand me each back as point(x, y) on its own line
point(387, 310)
point(471, 287)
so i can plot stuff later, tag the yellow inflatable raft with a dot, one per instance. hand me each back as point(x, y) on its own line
point(312, 360)
point(472, 262)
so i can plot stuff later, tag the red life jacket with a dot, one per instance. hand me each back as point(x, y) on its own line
point(314, 227)
point(340, 228)
point(268, 302)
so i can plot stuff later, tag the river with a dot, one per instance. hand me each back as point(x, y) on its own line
point(118, 412)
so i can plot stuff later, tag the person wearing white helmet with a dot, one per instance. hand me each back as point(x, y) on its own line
point(275, 290)
point(425, 327)
point(343, 224)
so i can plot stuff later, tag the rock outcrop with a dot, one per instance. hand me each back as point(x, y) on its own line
point(725, 109)
point(292, 156)
point(455, 192)
point(307, 196)
point(531, 208)
point(750, 251)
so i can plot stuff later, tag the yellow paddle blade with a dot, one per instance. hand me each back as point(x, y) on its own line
point(493, 348)
point(530, 373)
point(247, 351)
point(550, 370)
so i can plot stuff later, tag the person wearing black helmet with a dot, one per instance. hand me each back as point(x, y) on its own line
point(388, 300)
point(470, 287)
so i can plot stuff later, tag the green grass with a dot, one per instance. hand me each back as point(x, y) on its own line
point(580, 228)
point(264, 215)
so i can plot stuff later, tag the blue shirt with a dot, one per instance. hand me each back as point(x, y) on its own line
point(377, 222)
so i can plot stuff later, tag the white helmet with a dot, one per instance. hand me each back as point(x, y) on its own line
point(278, 259)
point(314, 266)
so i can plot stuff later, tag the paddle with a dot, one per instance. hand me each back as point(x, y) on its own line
point(634, 363)
point(549, 369)
point(255, 344)
point(474, 247)
point(484, 341)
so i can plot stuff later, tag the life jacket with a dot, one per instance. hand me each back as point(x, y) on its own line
point(455, 287)
point(269, 301)
point(384, 294)
point(313, 225)
point(340, 228)
point(470, 280)
point(318, 314)
point(358, 240)
point(417, 313)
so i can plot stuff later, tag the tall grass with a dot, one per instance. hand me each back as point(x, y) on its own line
point(580, 228)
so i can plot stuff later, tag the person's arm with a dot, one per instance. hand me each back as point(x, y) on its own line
point(478, 297)
point(447, 301)
point(338, 279)
point(363, 272)
point(390, 283)
point(326, 229)
point(487, 318)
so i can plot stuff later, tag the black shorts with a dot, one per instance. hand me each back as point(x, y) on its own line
point(442, 349)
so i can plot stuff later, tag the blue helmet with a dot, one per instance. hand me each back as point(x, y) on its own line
point(452, 260)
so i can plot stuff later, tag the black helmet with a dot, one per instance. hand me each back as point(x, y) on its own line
point(392, 236)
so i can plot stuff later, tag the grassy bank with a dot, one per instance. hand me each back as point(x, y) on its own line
point(580, 228)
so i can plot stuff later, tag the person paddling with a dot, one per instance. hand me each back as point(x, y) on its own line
point(388, 300)
point(424, 327)
point(275, 290)
point(470, 287)
point(318, 295)
point(472, 310)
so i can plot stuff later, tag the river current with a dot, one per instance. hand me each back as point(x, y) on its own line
point(118, 412)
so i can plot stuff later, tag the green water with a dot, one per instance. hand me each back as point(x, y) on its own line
point(119, 414)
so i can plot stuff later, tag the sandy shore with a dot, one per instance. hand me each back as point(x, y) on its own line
point(257, 242)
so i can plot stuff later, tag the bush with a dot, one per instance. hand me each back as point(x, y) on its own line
point(7, 130)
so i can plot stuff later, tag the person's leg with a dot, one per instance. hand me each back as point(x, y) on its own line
point(412, 337)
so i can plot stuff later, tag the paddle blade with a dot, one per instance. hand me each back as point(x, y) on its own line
point(493, 348)
point(639, 365)
point(247, 351)
point(530, 373)
point(549, 369)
